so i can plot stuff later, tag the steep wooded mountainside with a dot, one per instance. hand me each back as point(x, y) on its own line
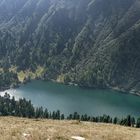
point(94, 43)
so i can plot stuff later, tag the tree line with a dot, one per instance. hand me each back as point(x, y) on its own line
point(24, 108)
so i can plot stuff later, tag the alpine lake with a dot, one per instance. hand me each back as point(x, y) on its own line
point(69, 99)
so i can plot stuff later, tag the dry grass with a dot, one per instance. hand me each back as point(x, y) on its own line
point(24, 74)
point(14, 129)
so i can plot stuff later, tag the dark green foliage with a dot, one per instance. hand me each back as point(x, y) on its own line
point(11, 107)
point(94, 43)
point(62, 117)
point(39, 113)
point(138, 123)
point(133, 121)
point(46, 113)
point(128, 120)
point(8, 79)
point(115, 120)
point(23, 108)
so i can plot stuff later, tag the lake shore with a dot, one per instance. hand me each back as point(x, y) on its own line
point(123, 91)
point(68, 99)
point(132, 92)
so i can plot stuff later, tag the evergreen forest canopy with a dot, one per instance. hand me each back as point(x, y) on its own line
point(94, 43)
point(24, 108)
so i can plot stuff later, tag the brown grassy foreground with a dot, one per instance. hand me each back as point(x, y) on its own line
point(12, 128)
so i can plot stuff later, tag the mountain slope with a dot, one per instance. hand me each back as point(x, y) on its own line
point(93, 43)
point(21, 128)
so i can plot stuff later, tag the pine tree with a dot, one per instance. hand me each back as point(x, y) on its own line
point(128, 120)
point(138, 123)
point(115, 121)
point(62, 117)
point(46, 114)
point(133, 122)
point(58, 115)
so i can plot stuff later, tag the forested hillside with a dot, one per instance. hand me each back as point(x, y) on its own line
point(94, 43)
